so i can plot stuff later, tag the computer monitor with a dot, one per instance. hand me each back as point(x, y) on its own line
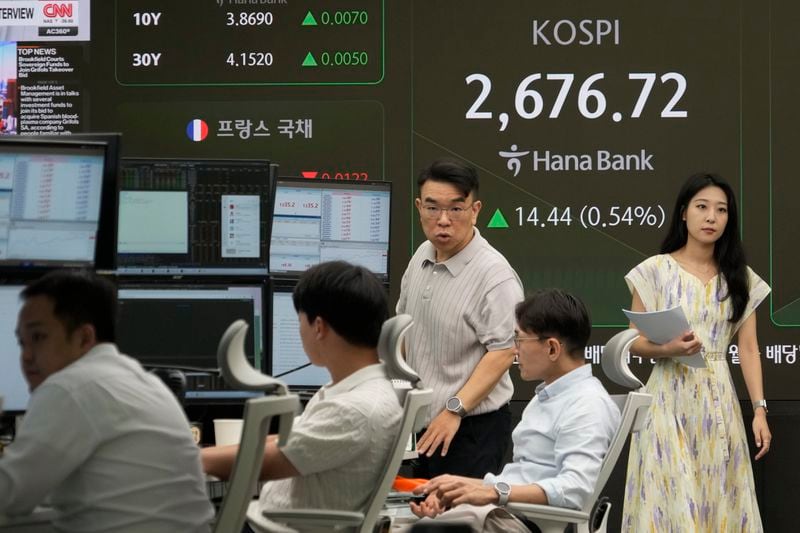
point(288, 361)
point(57, 203)
point(179, 326)
point(322, 220)
point(107, 231)
point(13, 386)
point(193, 217)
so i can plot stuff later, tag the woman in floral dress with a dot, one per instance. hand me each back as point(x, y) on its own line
point(689, 468)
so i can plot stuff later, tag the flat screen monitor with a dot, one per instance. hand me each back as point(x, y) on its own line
point(322, 220)
point(107, 231)
point(179, 326)
point(193, 217)
point(57, 203)
point(13, 386)
point(288, 360)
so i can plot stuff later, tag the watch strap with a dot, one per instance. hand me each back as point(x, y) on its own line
point(503, 493)
point(760, 403)
point(459, 409)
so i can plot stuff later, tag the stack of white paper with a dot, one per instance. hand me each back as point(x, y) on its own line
point(663, 326)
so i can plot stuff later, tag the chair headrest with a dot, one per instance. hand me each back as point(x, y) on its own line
point(236, 369)
point(390, 345)
point(614, 360)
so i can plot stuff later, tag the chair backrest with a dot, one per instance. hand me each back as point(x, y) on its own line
point(390, 348)
point(415, 401)
point(633, 414)
point(236, 369)
point(258, 413)
point(633, 405)
point(615, 359)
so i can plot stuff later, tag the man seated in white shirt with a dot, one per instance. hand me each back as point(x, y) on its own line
point(564, 433)
point(336, 449)
point(107, 441)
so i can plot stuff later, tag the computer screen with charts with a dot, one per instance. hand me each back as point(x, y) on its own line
point(193, 217)
point(325, 220)
point(288, 361)
point(180, 326)
point(57, 203)
point(13, 386)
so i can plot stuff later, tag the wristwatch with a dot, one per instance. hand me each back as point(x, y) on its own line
point(454, 405)
point(503, 492)
point(760, 403)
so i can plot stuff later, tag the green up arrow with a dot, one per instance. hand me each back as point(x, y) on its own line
point(498, 220)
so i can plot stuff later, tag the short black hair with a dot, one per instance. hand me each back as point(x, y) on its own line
point(79, 297)
point(348, 297)
point(462, 176)
point(556, 313)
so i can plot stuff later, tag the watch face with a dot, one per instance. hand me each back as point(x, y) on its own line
point(453, 404)
point(502, 487)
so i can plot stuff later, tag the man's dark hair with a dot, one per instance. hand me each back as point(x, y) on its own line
point(555, 313)
point(79, 297)
point(462, 176)
point(349, 298)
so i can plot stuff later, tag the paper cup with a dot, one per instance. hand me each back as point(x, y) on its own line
point(227, 431)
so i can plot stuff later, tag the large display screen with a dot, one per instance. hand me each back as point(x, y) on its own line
point(583, 118)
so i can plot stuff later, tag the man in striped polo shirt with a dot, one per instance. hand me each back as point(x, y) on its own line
point(461, 293)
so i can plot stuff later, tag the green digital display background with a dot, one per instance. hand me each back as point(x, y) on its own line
point(723, 99)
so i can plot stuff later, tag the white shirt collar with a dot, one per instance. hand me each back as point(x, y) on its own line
point(565, 382)
point(374, 371)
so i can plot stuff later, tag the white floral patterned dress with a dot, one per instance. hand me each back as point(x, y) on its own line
point(689, 467)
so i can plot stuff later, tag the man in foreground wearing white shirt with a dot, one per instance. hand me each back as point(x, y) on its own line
point(564, 433)
point(107, 441)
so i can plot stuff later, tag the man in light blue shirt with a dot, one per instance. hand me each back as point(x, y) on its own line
point(564, 433)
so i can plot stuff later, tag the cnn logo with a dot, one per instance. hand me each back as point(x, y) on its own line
point(57, 10)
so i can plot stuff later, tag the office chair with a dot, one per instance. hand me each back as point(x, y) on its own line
point(633, 407)
point(414, 401)
point(40, 521)
point(258, 412)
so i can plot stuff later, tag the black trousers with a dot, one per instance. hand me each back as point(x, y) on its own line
point(478, 447)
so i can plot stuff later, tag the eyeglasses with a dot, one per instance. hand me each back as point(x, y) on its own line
point(519, 340)
point(433, 212)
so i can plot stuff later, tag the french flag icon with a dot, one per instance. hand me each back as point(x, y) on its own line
point(197, 130)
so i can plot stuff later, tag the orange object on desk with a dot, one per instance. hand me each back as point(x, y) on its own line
point(407, 484)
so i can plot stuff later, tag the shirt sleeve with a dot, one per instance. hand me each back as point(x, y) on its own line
point(330, 434)
point(758, 293)
point(401, 301)
point(49, 446)
point(643, 279)
point(580, 446)
point(495, 327)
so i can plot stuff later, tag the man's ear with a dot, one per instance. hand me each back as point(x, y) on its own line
point(555, 349)
point(320, 328)
point(87, 336)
